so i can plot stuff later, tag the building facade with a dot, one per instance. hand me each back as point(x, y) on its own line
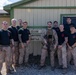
point(38, 12)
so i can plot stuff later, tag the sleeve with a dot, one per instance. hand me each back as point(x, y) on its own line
point(28, 32)
point(11, 37)
point(20, 32)
point(18, 27)
point(10, 29)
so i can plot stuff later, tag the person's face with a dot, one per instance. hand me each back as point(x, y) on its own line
point(5, 25)
point(55, 24)
point(68, 20)
point(72, 29)
point(49, 25)
point(24, 25)
point(20, 21)
point(14, 23)
point(61, 27)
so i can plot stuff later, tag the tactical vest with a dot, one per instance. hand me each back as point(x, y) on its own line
point(49, 35)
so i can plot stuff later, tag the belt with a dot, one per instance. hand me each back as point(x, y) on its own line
point(5, 45)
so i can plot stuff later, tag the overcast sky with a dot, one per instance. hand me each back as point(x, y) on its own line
point(5, 2)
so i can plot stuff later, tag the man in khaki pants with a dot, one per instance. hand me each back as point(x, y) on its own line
point(6, 38)
point(72, 45)
point(24, 38)
point(15, 51)
point(62, 52)
point(50, 41)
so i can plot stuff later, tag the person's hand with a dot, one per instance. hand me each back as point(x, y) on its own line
point(70, 47)
point(60, 46)
point(54, 46)
point(13, 48)
point(0, 51)
point(22, 45)
point(28, 42)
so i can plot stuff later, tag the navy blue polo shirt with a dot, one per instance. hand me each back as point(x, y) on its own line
point(67, 28)
point(61, 37)
point(71, 39)
point(14, 32)
point(24, 34)
point(5, 37)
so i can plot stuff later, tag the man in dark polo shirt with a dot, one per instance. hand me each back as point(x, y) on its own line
point(67, 30)
point(72, 45)
point(55, 27)
point(6, 38)
point(62, 53)
point(24, 38)
point(20, 24)
point(14, 31)
point(67, 25)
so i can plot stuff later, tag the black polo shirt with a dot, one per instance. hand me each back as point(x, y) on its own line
point(14, 32)
point(56, 29)
point(18, 27)
point(5, 37)
point(24, 34)
point(67, 28)
point(72, 39)
point(61, 37)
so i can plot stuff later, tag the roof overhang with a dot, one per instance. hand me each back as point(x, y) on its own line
point(8, 7)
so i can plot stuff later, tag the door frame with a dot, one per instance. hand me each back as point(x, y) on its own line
point(66, 15)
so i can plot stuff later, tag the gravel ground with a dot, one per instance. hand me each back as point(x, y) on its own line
point(34, 71)
point(46, 71)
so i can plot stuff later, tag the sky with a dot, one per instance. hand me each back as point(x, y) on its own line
point(6, 2)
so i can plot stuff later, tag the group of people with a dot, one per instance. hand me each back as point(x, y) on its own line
point(14, 42)
point(58, 40)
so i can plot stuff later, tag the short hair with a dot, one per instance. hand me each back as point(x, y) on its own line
point(19, 19)
point(68, 18)
point(72, 26)
point(4, 22)
point(13, 19)
point(25, 22)
point(49, 22)
point(55, 22)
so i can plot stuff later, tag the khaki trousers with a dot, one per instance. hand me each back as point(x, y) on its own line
point(62, 56)
point(7, 56)
point(24, 53)
point(44, 55)
point(15, 54)
point(72, 53)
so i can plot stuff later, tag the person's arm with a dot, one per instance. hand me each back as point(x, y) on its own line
point(74, 45)
point(69, 46)
point(20, 38)
point(56, 38)
point(11, 39)
point(65, 42)
point(12, 42)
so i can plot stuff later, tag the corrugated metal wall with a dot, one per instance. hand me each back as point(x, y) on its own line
point(41, 16)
